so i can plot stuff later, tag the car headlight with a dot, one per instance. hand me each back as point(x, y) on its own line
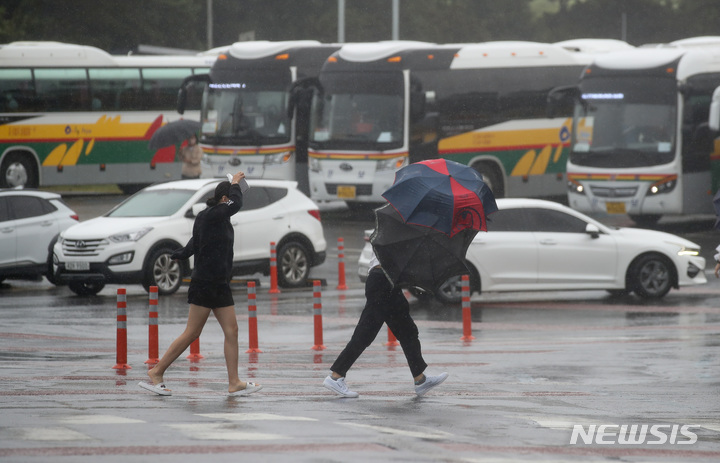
point(392, 163)
point(130, 236)
point(686, 251)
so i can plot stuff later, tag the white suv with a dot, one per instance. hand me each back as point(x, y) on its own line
point(132, 243)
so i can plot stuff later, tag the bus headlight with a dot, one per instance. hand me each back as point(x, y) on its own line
point(575, 187)
point(279, 158)
point(392, 163)
point(665, 185)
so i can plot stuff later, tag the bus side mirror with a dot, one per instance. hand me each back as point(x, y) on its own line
point(299, 89)
point(561, 101)
point(182, 92)
point(714, 116)
point(417, 105)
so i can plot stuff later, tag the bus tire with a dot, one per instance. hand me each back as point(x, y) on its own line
point(492, 177)
point(647, 220)
point(18, 169)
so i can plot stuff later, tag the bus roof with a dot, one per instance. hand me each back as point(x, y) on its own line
point(689, 61)
point(372, 51)
point(166, 61)
point(593, 45)
point(38, 54)
point(265, 48)
point(510, 54)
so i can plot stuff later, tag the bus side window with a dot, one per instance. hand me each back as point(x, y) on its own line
point(160, 87)
point(63, 89)
point(16, 90)
point(112, 87)
point(699, 139)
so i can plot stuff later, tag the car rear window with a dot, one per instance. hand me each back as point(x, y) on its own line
point(257, 197)
point(152, 203)
point(23, 207)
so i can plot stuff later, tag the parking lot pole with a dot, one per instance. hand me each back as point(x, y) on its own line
point(252, 320)
point(273, 269)
point(466, 314)
point(317, 316)
point(341, 264)
point(121, 347)
point(153, 339)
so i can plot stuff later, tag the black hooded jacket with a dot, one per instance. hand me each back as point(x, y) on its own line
point(212, 240)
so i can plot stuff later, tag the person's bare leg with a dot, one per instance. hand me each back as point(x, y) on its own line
point(228, 322)
point(197, 316)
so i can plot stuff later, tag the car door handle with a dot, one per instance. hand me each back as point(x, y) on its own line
point(279, 217)
point(7, 230)
point(548, 242)
point(46, 224)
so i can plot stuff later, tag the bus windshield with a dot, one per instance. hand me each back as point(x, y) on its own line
point(364, 112)
point(625, 122)
point(247, 112)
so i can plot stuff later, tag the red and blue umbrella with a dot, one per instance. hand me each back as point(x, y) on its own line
point(443, 195)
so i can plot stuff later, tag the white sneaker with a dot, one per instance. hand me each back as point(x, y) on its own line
point(429, 383)
point(339, 387)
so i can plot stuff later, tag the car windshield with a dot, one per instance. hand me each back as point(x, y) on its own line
point(152, 203)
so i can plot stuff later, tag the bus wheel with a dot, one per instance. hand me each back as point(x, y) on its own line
point(492, 177)
point(645, 220)
point(18, 170)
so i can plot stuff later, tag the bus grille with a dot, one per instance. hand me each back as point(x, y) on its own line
point(620, 192)
point(83, 247)
point(364, 190)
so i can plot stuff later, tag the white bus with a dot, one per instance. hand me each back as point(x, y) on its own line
point(74, 115)
point(381, 105)
point(641, 142)
point(245, 119)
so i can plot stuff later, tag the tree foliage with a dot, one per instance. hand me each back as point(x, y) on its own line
point(122, 26)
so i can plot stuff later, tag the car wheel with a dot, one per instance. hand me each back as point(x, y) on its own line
point(86, 288)
point(18, 170)
point(50, 273)
point(450, 292)
point(162, 271)
point(651, 276)
point(293, 265)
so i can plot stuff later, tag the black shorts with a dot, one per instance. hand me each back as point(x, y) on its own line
point(210, 294)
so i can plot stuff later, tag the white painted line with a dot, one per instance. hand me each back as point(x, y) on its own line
point(99, 419)
point(50, 434)
point(222, 431)
point(254, 417)
point(402, 432)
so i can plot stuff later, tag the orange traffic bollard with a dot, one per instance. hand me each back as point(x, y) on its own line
point(252, 320)
point(341, 264)
point(317, 316)
point(466, 314)
point(121, 347)
point(195, 351)
point(273, 269)
point(392, 340)
point(153, 340)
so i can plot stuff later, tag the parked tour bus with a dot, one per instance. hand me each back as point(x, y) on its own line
point(74, 115)
point(380, 106)
point(245, 119)
point(641, 142)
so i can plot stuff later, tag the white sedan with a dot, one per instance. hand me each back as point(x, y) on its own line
point(536, 245)
point(133, 242)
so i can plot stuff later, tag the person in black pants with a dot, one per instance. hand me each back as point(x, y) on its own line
point(212, 245)
point(384, 304)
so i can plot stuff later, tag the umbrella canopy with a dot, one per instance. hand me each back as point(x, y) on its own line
point(444, 195)
point(413, 255)
point(173, 133)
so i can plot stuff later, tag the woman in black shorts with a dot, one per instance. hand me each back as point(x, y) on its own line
point(212, 245)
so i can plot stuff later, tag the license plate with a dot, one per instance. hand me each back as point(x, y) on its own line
point(346, 191)
point(615, 208)
point(77, 266)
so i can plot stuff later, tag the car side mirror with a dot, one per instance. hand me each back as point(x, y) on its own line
point(196, 209)
point(592, 230)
